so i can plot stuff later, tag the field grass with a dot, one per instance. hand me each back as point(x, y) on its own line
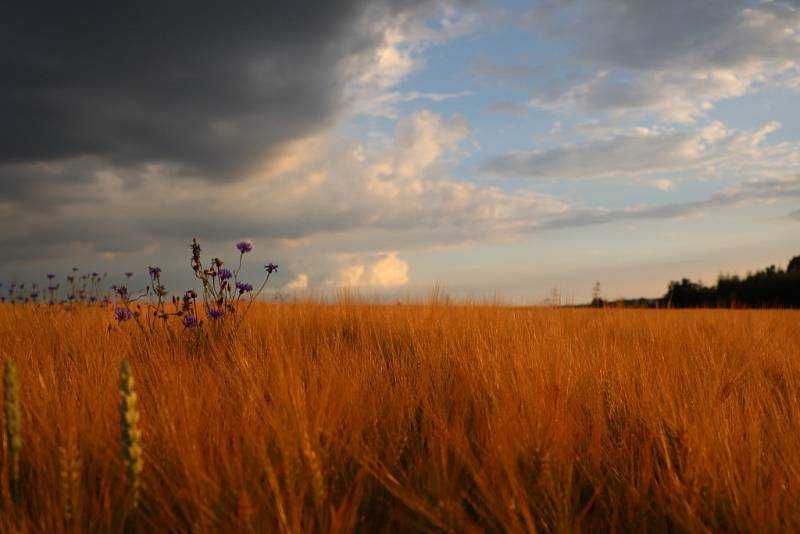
point(356, 417)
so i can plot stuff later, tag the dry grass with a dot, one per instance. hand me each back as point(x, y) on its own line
point(431, 417)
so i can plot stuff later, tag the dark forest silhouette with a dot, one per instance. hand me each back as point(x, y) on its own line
point(772, 287)
point(768, 288)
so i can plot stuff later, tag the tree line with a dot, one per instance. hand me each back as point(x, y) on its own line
point(772, 287)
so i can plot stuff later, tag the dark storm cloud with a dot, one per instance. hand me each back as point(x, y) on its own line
point(205, 86)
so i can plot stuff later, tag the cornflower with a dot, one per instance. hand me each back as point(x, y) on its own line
point(244, 287)
point(122, 314)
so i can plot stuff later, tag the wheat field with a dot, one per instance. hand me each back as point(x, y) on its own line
point(410, 417)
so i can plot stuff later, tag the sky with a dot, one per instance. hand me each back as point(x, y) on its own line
point(490, 149)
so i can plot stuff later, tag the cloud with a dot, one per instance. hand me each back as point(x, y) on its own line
point(673, 59)
point(200, 89)
point(389, 271)
point(508, 108)
point(299, 282)
point(386, 104)
point(710, 150)
point(322, 195)
point(765, 191)
point(662, 184)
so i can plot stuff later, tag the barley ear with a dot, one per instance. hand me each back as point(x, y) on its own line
point(317, 479)
point(131, 434)
point(13, 413)
point(69, 473)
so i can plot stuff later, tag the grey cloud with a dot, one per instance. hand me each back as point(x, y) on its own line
point(639, 152)
point(673, 58)
point(655, 35)
point(508, 108)
point(206, 86)
point(762, 190)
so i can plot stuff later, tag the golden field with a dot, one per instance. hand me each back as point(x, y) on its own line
point(413, 417)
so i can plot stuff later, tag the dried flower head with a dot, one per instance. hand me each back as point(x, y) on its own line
point(271, 268)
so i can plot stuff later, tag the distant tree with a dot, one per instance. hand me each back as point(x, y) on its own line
point(794, 265)
point(597, 301)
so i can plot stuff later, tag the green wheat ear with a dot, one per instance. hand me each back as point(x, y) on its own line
point(13, 413)
point(131, 434)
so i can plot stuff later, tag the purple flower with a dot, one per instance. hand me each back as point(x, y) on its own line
point(215, 313)
point(224, 274)
point(244, 287)
point(189, 321)
point(122, 314)
point(154, 271)
point(271, 268)
point(50, 276)
point(244, 246)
